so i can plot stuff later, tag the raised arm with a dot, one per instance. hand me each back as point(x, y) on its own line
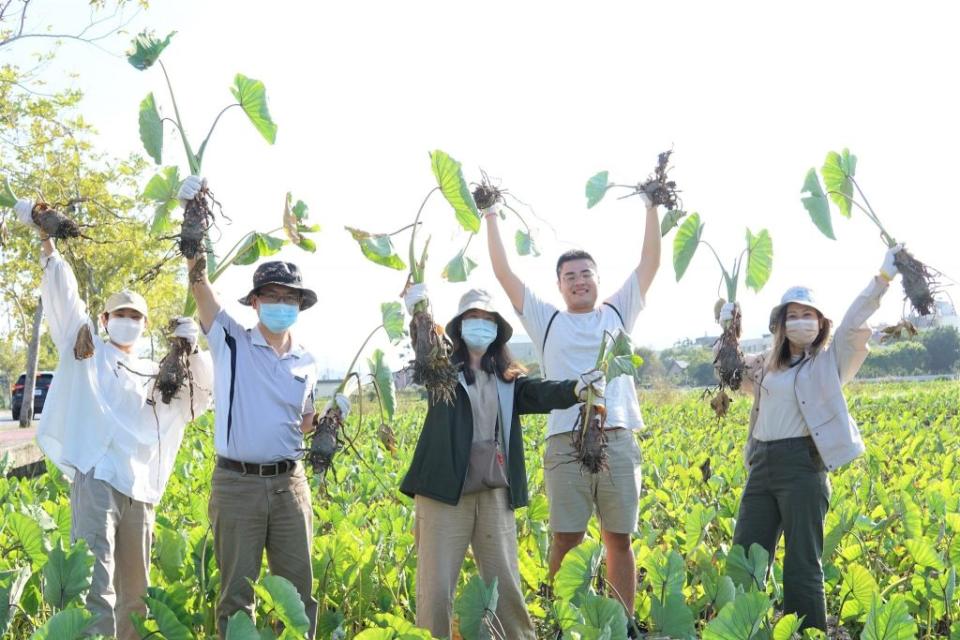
point(512, 285)
point(650, 253)
point(207, 304)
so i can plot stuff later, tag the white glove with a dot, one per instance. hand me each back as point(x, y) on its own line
point(24, 211)
point(594, 380)
point(342, 403)
point(188, 330)
point(415, 293)
point(726, 313)
point(647, 202)
point(189, 188)
point(492, 210)
point(889, 269)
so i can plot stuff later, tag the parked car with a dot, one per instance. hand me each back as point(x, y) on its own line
point(44, 378)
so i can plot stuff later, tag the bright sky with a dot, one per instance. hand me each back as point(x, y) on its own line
point(542, 96)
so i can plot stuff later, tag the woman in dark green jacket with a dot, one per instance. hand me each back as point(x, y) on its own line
point(468, 472)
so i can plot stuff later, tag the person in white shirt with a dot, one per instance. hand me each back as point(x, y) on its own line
point(568, 341)
point(110, 434)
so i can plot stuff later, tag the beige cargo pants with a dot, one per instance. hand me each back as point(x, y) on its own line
point(119, 532)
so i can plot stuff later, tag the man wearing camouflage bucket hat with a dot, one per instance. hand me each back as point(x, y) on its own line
point(264, 379)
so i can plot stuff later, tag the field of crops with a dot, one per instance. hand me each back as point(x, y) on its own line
point(891, 554)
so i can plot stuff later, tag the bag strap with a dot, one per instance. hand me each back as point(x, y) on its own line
point(617, 311)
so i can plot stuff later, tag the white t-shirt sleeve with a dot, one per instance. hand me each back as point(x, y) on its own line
point(628, 301)
point(536, 315)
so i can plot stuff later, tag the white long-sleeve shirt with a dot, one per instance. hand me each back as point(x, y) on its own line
point(100, 412)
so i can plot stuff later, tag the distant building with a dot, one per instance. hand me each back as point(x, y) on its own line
point(676, 367)
point(523, 350)
point(757, 345)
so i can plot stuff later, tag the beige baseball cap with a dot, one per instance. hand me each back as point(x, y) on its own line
point(126, 299)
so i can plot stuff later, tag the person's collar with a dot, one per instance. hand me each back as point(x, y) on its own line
point(296, 349)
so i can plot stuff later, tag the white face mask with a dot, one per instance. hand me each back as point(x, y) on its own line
point(802, 331)
point(124, 331)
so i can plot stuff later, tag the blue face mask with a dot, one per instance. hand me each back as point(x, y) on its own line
point(278, 317)
point(478, 333)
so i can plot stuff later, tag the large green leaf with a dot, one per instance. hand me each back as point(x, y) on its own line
point(252, 97)
point(391, 314)
point(258, 245)
point(666, 573)
point(837, 170)
point(475, 607)
point(175, 599)
point(162, 189)
point(146, 49)
point(685, 243)
point(279, 594)
point(759, 259)
point(69, 624)
point(241, 627)
point(670, 220)
point(151, 128)
point(295, 224)
point(384, 379)
point(12, 584)
point(720, 590)
point(739, 620)
point(67, 575)
point(28, 535)
point(171, 552)
point(857, 591)
point(454, 188)
point(695, 526)
point(168, 623)
point(596, 188)
point(525, 244)
point(604, 613)
point(746, 571)
point(889, 621)
point(577, 570)
point(7, 199)
point(673, 617)
point(377, 248)
point(924, 553)
point(459, 268)
point(786, 627)
point(815, 202)
point(620, 359)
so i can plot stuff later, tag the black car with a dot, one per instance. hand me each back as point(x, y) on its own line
point(44, 378)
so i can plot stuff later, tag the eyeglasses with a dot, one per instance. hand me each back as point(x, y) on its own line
point(274, 298)
point(589, 276)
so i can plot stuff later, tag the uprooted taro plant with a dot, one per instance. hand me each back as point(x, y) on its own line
point(920, 281)
point(328, 435)
point(759, 263)
point(51, 218)
point(659, 188)
point(193, 240)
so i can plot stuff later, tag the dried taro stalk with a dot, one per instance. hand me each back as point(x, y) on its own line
point(53, 223)
point(387, 438)
point(431, 365)
point(590, 441)
point(325, 441)
point(659, 188)
point(83, 347)
point(918, 282)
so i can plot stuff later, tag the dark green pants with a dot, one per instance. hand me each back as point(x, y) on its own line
point(788, 493)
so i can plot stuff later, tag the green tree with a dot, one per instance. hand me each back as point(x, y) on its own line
point(904, 358)
point(943, 349)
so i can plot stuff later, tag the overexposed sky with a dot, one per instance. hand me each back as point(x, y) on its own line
point(544, 95)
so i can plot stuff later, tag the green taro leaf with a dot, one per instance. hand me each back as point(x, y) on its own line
point(458, 269)
point(7, 199)
point(12, 584)
point(162, 190)
point(168, 623)
point(816, 203)
point(241, 627)
point(384, 379)
point(378, 248)
point(673, 617)
point(837, 170)
point(596, 188)
point(889, 621)
point(525, 244)
point(695, 526)
point(171, 551)
point(602, 613)
point(151, 128)
point(670, 220)
point(67, 575)
point(252, 97)
point(69, 624)
point(739, 620)
point(786, 627)
point(294, 216)
point(454, 188)
point(29, 536)
point(685, 244)
point(759, 259)
point(857, 591)
point(146, 49)
point(258, 245)
point(392, 316)
point(577, 571)
point(666, 573)
point(282, 597)
point(746, 571)
point(923, 553)
point(475, 607)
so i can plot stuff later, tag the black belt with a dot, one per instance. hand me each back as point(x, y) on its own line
point(268, 470)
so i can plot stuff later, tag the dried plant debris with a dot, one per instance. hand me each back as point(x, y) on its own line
point(83, 346)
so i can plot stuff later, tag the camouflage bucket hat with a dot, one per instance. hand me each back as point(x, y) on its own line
point(285, 274)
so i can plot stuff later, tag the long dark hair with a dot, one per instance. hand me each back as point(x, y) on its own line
point(780, 356)
point(497, 359)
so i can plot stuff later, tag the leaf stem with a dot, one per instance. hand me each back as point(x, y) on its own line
point(203, 145)
point(191, 159)
point(415, 272)
point(346, 376)
point(883, 233)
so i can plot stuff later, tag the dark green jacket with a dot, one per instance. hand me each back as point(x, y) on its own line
point(439, 465)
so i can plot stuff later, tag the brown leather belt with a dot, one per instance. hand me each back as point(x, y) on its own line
point(268, 470)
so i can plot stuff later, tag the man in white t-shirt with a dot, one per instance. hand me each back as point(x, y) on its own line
point(567, 342)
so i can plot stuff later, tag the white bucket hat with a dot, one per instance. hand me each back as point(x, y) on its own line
point(799, 295)
point(478, 299)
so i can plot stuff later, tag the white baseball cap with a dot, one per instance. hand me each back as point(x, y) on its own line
point(126, 299)
point(799, 295)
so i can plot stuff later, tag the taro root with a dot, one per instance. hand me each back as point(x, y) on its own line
point(431, 364)
point(918, 282)
point(174, 371)
point(53, 223)
point(197, 219)
point(590, 440)
point(325, 441)
point(729, 362)
point(659, 188)
point(83, 347)
point(486, 195)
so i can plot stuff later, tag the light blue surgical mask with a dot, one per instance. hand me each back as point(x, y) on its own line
point(278, 317)
point(478, 333)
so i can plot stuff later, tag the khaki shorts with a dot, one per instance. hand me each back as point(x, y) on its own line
point(572, 494)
